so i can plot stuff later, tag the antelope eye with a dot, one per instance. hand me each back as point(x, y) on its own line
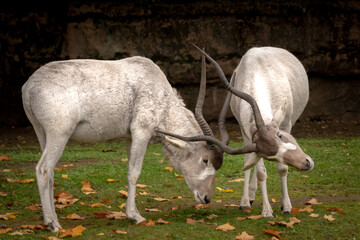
point(206, 161)
point(279, 135)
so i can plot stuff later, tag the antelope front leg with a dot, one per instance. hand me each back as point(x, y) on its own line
point(285, 200)
point(262, 175)
point(245, 201)
point(136, 158)
point(248, 190)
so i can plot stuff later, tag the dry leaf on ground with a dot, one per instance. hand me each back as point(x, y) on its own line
point(307, 209)
point(159, 199)
point(313, 201)
point(244, 236)
point(123, 193)
point(152, 210)
point(161, 221)
point(5, 158)
point(5, 230)
point(169, 169)
point(73, 216)
point(119, 232)
point(73, 231)
point(226, 227)
point(336, 209)
point(314, 215)
point(212, 216)
point(201, 206)
point(146, 223)
point(193, 221)
point(273, 233)
point(329, 217)
point(232, 205)
point(86, 188)
point(254, 217)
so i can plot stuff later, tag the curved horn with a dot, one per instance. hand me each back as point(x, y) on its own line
point(200, 102)
point(260, 124)
point(225, 148)
point(222, 128)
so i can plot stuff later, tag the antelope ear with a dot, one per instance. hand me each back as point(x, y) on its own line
point(177, 142)
point(279, 114)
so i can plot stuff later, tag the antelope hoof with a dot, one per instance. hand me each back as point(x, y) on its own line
point(53, 226)
point(251, 202)
point(244, 207)
point(135, 216)
point(287, 213)
point(267, 214)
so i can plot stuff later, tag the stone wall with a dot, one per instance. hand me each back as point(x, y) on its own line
point(324, 35)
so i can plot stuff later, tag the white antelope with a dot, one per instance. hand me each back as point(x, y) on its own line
point(93, 100)
point(275, 85)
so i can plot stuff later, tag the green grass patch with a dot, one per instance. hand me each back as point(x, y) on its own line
point(335, 181)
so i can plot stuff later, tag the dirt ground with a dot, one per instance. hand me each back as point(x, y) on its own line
point(11, 136)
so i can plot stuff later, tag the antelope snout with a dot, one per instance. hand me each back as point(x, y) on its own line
point(309, 164)
point(204, 199)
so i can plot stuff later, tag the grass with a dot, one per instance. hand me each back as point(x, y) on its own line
point(335, 182)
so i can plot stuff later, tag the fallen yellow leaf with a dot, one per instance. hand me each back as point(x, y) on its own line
point(225, 190)
point(237, 180)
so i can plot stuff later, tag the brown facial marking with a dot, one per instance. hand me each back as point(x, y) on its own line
point(266, 144)
point(217, 158)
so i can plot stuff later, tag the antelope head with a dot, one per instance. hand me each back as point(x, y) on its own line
point(203, 159)
point(269, 141)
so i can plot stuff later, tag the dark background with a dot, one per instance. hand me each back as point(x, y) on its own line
point(324, 35)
